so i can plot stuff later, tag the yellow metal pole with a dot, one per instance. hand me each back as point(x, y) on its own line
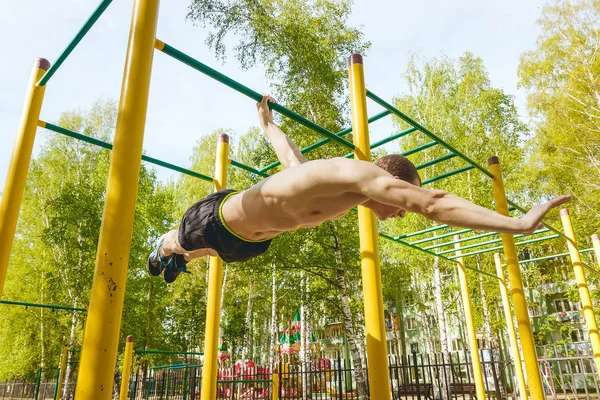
point(584, 292)
point(215, 282)
point(596, 242)
point(379, 380)
point(470, 322)
point(61, 373)
point(510, 328)
point(126, 368)
point(275, 385)
point(101, 336)
point(10, 202)
point(532, 369)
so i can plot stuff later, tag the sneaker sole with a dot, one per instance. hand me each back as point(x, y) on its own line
point(154, 271)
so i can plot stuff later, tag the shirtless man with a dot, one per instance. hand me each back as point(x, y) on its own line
point(238, 226)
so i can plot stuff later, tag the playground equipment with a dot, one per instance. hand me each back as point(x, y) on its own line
point(102, 327)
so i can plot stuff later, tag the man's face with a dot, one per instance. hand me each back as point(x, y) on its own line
point(384, 211)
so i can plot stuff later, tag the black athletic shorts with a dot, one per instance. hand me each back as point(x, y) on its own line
point(203, 227)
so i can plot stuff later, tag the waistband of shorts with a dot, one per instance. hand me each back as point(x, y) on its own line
point(222, 221)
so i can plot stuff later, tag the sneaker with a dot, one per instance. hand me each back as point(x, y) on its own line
point(156, 263)
point(173, 269)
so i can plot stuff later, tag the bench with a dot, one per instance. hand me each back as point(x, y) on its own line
point(458, 388)
point(410, 389)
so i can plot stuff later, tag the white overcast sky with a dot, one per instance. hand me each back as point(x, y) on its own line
point(185, 104)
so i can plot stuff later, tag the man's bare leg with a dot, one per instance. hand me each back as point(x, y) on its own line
point(171, 245)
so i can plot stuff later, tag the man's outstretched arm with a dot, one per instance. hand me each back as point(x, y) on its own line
point(286, 150)
point(446, 208)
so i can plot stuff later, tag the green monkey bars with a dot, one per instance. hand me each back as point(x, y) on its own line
point(530, 260)
point(328, 137)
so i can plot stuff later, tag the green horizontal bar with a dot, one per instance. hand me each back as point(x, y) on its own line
point(388, 139)
point(419, 148)
point(247, 381)
point(412, 246)
point(392, 137)
point(176, 168)
point(20, 303)
point(497, 240)
point(436, 237)
point(437, 160)
point(100, 143)
point(76, 135)
point(436, 255)
point(324, 141)
point(432, 229)
point(447, 174)
point(426, 131)
point(467, 239)
point(71, 46)
point(154, 351)
point(205, 69)
point(501, 247)
point(445, 235)
point(552, 256)
point(471, 246)
point(249, 169)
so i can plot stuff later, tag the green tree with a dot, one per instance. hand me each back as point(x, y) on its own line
point(455, 99)
point(55, 247)
point(303, 47)
point(562, 77)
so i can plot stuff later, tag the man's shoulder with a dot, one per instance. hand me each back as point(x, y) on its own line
point(339, 161)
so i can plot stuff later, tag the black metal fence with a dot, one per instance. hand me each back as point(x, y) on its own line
point(416, 376)
point(184, 382)
point(568, 371)
point(450, 376)
point(41, 387)
point(413, 377)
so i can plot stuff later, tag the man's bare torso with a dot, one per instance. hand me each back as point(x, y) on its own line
point(299, 197)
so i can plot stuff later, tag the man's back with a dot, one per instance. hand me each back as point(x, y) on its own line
point(298, 197)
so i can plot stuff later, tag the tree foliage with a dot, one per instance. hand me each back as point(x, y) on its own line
point(562, 77)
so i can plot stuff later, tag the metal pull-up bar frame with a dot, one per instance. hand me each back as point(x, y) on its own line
point(102, 328)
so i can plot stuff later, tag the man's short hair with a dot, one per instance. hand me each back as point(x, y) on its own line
point(400, 166)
